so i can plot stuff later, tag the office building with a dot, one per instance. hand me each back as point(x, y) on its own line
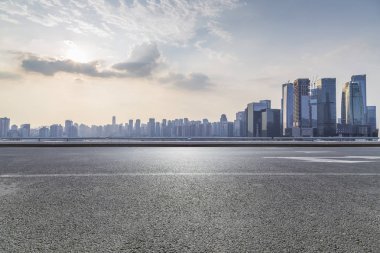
point(371, 120)
point(287, 109)
point(4, 126)
point(68, 125)
point(25, 130)
point(254, 117)
point(43, 132)
point(313, 107)
point(271, 126)
point(223, 126)
point(56, 131)
point(362, 81)
point(326, 106)
point(352, 110)
point(151, 127)
point(240, 124)
point(301, 103)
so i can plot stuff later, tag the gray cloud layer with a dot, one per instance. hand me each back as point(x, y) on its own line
point(143, 62)
point(50, 66)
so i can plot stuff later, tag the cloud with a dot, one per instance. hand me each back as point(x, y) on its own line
point(166, 21)
point(143, 60)
point(215, 29)
point(9, 75)
point(51, 66)
point(193, 81)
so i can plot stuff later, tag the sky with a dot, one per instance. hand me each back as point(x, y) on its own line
point(89, 60)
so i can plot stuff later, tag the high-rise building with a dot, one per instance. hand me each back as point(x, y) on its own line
point(130, 128)
point(287, 108)
point(138, 128)
point(313, 106)
point(43, 132)
point(254, 117)
point(352, 111)
point(371, 119)
point(83, 131)
point(151, 127)
point(240, 124)
point(157, 131)
point(113, 120)
point(362, 81)
point(68, 125)
point(56, 131)
point(25, 130)
point(4, 126)
point(270, 123)
point(301, 103)
point(13, 132)
point(326, 106)
point(223, 125)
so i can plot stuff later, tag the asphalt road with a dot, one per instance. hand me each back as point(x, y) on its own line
point(189, 199)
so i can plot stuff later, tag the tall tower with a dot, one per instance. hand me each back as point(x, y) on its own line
point(362, 81)
point(113, 120)
point(301, 103)
point(287, 108)
point(4, 126)
point(352, 110)
point(326, 106)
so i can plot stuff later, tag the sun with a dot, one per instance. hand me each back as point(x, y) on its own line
point(74, 52)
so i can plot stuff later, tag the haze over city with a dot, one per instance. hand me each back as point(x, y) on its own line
point(87, 61)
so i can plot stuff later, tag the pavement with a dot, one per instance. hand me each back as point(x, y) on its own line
point(189, 199)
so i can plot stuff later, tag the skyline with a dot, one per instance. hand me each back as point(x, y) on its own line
point(263, 102)
point(307, 110)
point(137, 59)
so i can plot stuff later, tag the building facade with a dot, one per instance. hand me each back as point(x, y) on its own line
point(270, 123)
point(287, 108)
point(254, 117)
point(301, 103)
point(326, 107)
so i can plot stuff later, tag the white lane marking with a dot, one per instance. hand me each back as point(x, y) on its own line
point(330, 159)
point(187, 174)
point(362, 157)
point(314, 152)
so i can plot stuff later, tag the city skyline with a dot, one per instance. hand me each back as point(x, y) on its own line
point(307, 110)
point(170, 59)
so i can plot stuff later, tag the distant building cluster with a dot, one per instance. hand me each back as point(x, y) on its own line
point(307, 110)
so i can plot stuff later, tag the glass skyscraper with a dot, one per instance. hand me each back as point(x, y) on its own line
point(314, 106)
point(287, 108)
point(362, 81)
point(4, 126)
point(371, 118)
point(301, 110)
point(254, 117)
point(326, 106)
point(352, 104)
